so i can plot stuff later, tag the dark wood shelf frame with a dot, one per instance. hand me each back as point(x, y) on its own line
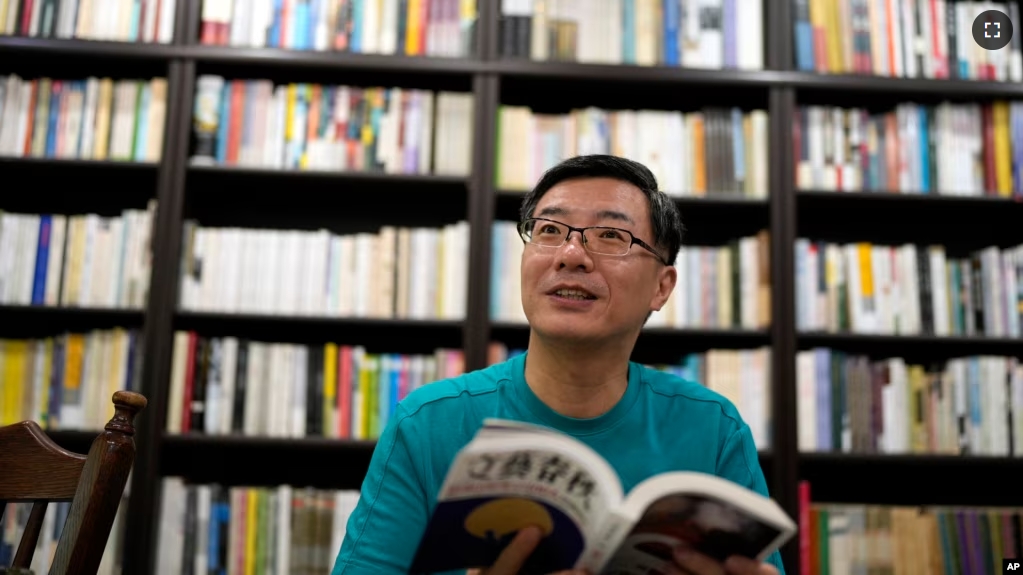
point(244, 460)
point(914, 346)
point(340, 176)
point(912, 479)
point(17, 45)
point(383, 335)
point(180, 186)
point(26, 321)
point(326, 463)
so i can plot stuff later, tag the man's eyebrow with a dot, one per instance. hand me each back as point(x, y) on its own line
point(613, 215)
point(603, 214)
point(553, 211)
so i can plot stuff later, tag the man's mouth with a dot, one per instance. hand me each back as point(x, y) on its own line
point(575, 294)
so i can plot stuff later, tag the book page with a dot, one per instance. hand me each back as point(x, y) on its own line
point(500, 485)
point(710, 525)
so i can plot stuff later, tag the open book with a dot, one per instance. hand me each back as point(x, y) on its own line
point(512, 475)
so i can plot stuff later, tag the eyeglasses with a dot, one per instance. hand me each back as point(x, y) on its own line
point(596, 239)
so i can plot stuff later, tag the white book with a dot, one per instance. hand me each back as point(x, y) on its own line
point(613, 526)
point(282, 554)
point(299, 379)
point(389, 27)
point(749, 34)
point(203, 495)
point(228, 375)
point(175, 398)
point(172, 527)
point(214, 390)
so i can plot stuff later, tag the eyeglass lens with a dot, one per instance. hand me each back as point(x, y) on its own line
point(598, 240)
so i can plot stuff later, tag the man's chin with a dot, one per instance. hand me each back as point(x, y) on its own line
point(567, 331)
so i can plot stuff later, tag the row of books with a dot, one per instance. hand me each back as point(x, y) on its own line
point(902, 38)
point(956, 149)
point(76, 261)
point(908, 289)
point(14, 519)
point(712, 151)
point(67, 381)
point(212, 528)
point(722, 34)
point(117, 20)
point(256, 123)
point(967, 406)
point(398, 272)
point(237, 386)
point(931, 540)
point(402, 27)
point(88, 119)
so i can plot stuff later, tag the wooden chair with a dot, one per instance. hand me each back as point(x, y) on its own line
point(34, 468)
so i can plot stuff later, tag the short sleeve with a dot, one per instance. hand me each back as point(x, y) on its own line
point(384, 529)
point(738, 461)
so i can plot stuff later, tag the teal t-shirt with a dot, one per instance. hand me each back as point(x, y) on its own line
point(662, 423)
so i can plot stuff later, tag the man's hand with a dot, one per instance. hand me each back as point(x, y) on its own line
point(689, 561)
point(516, 553)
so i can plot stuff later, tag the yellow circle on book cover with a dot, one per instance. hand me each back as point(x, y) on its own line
point(503, 516)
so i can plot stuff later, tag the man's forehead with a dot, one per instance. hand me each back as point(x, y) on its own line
point(557, 208)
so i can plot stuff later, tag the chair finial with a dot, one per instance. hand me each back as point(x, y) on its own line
point(127, 404)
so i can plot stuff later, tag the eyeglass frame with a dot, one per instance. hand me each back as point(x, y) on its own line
point(582, 236)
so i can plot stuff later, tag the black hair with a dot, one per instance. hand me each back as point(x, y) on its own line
point(665, 218)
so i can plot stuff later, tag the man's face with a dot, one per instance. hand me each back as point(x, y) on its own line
point(620, 290)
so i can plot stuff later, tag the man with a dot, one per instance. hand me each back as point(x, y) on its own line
point(587, 293)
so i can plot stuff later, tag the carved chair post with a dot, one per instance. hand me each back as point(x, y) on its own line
point(38, 470)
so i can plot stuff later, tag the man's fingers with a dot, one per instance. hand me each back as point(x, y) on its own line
point(737, 565)
point(516, 553)
point(697, 563)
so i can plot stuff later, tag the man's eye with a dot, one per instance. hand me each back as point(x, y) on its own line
point(549, 230)
point(611, 235)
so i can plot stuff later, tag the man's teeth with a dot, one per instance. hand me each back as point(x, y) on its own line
point(573, 294)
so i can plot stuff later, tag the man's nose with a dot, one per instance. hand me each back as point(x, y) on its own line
point(573, 252)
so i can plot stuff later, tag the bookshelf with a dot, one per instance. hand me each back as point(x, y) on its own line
point(249, 196)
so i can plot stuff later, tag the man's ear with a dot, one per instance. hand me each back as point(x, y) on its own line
point(666, 279)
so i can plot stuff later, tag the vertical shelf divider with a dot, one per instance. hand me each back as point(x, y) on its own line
point(141, 542)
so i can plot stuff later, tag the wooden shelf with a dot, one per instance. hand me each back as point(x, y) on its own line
point(41, 321)
point(655, 345)
point(912, 346)
point(710, 220)
point(7, 162)
point(17, 45)
point(696, 333)
point(633, 73)
point(915, 199)
point(899, 86)
point(960, 223)
point(282, 58)
point(57, 185)
point(912, 479)
point(733, 200)
point(383, 335)
point(344, 202)
point(336, 176)
point(240, 460)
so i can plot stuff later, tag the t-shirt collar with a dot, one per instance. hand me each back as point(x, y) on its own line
point(572, 425)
